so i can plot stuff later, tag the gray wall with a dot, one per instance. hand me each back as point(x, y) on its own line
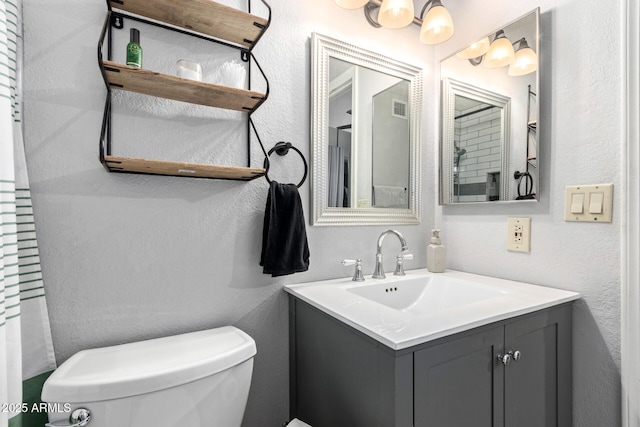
point(129, 257)
point(132, 257)
point(581, 142)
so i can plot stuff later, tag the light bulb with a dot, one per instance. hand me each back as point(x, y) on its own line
point(525, 62)
point(500, 53)
point(394, 14)
point(437, 26)
point(476, 49)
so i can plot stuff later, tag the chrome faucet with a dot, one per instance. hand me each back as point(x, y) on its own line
point(378, 272)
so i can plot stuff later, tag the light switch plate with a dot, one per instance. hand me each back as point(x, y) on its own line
point(597, 203)
point(519, 234)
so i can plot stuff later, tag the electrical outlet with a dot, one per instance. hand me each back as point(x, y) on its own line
point(519, 234)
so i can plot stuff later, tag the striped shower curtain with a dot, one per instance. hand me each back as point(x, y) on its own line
point(26, 350)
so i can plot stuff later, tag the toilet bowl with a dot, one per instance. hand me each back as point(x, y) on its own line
point(199, 379)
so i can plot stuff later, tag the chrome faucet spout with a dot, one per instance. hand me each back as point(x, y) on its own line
point(378, 272)
point(384, 234)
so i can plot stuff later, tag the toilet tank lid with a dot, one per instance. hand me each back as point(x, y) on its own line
point(147, 366)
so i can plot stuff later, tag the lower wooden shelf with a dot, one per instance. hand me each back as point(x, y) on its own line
point(171, 87)
point(195, 170)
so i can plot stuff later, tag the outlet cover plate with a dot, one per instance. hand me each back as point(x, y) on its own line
point(519, 234)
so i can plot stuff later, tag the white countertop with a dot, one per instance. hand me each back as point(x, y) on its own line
point(423, 306)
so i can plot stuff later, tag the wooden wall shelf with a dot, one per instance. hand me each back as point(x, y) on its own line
point(162, 167)
point(203, 16)
point(206, 19)
point(171, 87)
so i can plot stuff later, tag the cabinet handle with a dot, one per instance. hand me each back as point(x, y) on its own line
point(504, 359)
point(516, 355)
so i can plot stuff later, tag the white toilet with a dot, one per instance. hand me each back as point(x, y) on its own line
point(199, 379)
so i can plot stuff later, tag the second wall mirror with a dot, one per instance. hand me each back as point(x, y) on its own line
point(489, 148)
point(365, 143)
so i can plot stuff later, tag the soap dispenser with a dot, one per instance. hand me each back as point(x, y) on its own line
point(436, 254)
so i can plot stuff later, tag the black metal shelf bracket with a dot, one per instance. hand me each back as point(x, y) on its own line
point(115, 19)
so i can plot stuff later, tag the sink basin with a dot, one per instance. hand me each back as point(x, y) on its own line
point(428, 294)
point(401, 312)
point(399, 296)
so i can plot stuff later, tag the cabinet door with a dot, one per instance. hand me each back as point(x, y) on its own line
point(460, 383)
point(341, 378)
point(537, 387)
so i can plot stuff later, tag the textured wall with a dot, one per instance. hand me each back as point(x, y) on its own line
point(581, 143)
point(132, 257)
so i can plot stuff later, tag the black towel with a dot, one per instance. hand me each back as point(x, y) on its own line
point(284, 237)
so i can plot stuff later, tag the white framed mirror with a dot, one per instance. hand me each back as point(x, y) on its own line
point(365, 136)
point(489, 149)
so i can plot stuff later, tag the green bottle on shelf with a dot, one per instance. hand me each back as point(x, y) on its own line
point(134, 51)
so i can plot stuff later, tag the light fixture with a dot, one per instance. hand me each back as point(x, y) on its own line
point(436, 27)
point(394, 14)
point(525, 61)
point(475, 50)
point(351, 4)
point(522, 61)
point(500, 53)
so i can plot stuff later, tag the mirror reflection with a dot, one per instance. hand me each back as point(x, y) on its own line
point(480, 134)
point(470, 112)
point(365, 123)
point(340, 137)
point(368, 152)
point(390, 147)
point(489, 143)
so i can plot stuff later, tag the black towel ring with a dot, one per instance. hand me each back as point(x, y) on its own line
point(282, 149)
point(528, 185)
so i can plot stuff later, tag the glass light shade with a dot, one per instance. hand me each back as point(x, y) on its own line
point(500, 53)
point(525, 62)
point(396, 14)
point(437, 26)
point(351, 4)
point(476, 49)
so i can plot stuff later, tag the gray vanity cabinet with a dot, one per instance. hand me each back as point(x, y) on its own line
point(457, 383)
point(342, 377)
point(538, 387)
point(463, 382)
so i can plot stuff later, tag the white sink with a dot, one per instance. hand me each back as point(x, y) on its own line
point(401, 312)
point(426, 294)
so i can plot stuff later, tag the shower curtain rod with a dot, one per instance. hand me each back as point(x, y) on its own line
point(473, 112)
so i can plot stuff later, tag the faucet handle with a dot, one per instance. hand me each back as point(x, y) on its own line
point(357, 274)
point(399, 267)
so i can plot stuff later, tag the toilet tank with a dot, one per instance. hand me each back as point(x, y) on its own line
point(195, 379)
